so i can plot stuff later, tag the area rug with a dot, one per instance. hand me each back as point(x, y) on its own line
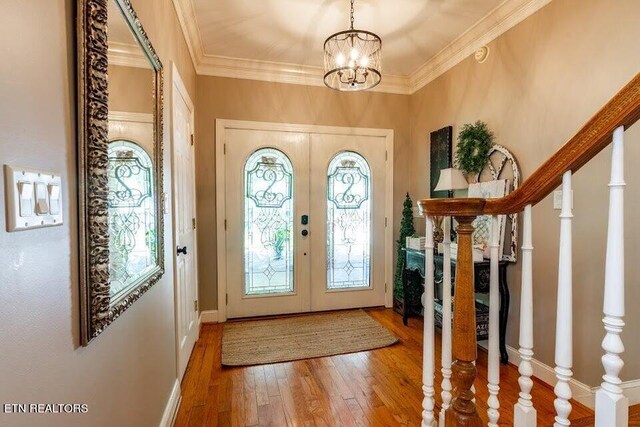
point(257, 342)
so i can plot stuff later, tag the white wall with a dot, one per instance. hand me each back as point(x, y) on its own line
point(127, 373)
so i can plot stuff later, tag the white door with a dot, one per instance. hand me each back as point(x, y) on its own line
point(348, 211)
point(305, 221)
point(186, 285)
point(267, 189)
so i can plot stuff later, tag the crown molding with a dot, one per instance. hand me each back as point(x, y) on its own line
point(127, 55)
point(188, 22)
point(504, 17)
point(128, 116)
point(279, 72)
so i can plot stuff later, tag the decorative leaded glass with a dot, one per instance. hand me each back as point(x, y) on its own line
point(268, 223)
point(132, 222)
point(269, 182)
point(348, 185)
point(348, 222)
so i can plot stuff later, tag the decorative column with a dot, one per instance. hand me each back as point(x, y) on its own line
point(524, 412)
point(493, 361)
point(463, 410)
point(428, 344)
point(612, 407)
point(564, 313)
point(446, 319)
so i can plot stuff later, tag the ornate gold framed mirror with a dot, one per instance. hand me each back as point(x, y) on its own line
point(119, 162)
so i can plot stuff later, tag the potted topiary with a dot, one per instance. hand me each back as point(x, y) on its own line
point(407, 229)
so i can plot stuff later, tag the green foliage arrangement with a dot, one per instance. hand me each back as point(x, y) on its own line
point(406, 230)
point(281, 237)
point(474, 142)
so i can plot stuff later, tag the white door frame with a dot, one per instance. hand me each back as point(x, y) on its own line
point(223, 124)
point(179, 86)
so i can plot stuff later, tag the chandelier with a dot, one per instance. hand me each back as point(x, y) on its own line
point(352, 59)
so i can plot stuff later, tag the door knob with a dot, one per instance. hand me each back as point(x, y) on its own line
point(181, 250)
point(305, 232)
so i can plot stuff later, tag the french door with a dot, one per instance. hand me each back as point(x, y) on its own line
point(305, 221)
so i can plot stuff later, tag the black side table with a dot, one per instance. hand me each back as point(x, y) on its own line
point(413, 286)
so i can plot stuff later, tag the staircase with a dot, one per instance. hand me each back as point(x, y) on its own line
point(459, 347)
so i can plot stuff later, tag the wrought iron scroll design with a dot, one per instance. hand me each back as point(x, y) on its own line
point(268, 170)
point(348, 222)
point(348, 185)
point(268, 225)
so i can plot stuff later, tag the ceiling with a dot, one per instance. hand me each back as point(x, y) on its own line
point(119, 31)
point(282, 40)
point(124, 48)
point(293, 31)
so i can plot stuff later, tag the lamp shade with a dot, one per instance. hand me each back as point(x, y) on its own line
point(451, 179)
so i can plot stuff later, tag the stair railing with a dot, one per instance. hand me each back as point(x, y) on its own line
point(459, 347)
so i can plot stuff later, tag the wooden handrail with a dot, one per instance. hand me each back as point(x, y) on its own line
point(622, 110)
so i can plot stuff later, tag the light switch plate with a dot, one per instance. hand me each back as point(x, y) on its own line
point(28, 198)
point(557, 200)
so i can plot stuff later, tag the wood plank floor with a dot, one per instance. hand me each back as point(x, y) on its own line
point(381, 387)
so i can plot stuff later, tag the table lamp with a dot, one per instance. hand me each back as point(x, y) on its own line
point(450, 179)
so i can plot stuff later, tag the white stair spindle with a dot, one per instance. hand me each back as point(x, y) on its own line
point(612, 407)
point(493, 376)
point(446, 319)
point(524, 412)
point(564, 313)
point(428, 354)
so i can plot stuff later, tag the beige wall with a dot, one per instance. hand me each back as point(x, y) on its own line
point(542, 81)
point(130, 89)
point(222, 98)
point(127, 373)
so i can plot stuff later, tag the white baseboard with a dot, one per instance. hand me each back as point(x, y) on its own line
point(171, 410)
point(209, 316)
point(581, 392)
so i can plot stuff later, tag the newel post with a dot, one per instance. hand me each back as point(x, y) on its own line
point(462, 411)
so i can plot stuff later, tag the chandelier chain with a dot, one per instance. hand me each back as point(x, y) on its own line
point(352, 11)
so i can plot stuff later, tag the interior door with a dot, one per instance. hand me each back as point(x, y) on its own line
point(187, 327)
point(267, 244)
point(347, 184)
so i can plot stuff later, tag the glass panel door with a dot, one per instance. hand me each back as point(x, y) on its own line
point(347, 213)
point(268, 223)
point(348, 222)
point(266, 192)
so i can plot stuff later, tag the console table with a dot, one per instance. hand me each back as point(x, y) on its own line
point(413, 286)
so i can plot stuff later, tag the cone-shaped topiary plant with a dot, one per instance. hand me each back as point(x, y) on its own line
point(406, 230)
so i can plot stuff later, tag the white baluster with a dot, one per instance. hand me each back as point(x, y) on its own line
point(446, 319)
point(524, 412)
point(493, 376)
point(564, 313)
point(612, 407)
point(428, 355)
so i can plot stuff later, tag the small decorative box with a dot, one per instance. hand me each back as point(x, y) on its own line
point(417, 243)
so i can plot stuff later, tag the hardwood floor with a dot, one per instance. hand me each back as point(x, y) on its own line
point(381, 387)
